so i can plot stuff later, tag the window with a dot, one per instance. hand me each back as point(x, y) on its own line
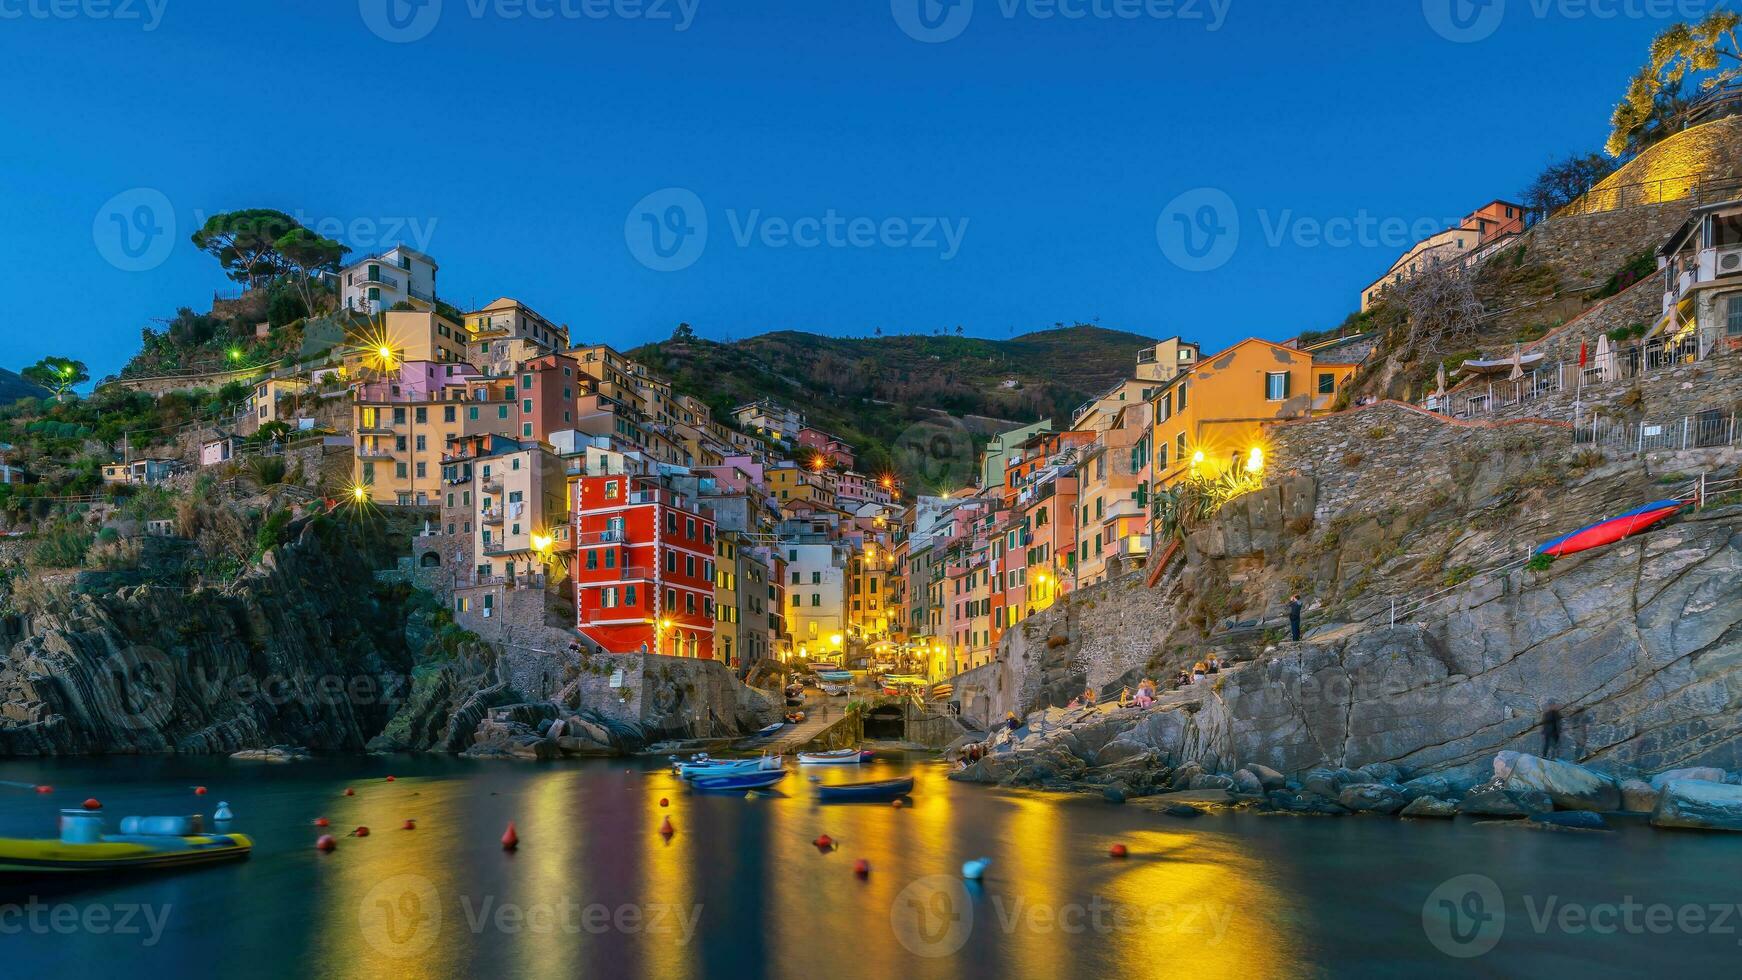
point(1734, 321)
point(610, 557)
point(1327, 384)
point(610, 489)
point(608, 597)
point(1275, 386)
point(689, 565)
point(1180, 445)
point(1161, 456)
point(629, 595)
point(689, 602)
point(816, 599)
point(592, 560)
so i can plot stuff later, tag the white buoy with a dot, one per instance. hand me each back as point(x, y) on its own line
point(975, 869)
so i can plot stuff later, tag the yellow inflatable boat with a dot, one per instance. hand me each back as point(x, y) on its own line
point(83, 848)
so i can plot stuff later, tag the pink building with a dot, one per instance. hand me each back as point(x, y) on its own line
point(416, 381)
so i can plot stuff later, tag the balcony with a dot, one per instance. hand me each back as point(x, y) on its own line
point(377, 276)
point(492, 484)
point(614, 536)
point(374, 452)
point(491, 517)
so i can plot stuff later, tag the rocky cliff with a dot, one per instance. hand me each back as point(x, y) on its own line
point(302, 649)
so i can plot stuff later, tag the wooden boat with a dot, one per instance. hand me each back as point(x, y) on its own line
point(838, 757)
point(723, 767)
point(835, 676)
point(877, 791)
point(835, 690)
point(738, 781)
point(83, 849)
point(768, 730)
point(1611, 530)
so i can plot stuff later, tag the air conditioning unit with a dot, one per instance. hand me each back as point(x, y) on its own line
point(1730, 263)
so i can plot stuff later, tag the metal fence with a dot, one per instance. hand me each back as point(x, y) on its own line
point(1597, 371)
point(1705, 430)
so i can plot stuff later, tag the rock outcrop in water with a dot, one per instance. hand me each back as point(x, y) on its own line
point(301, 650)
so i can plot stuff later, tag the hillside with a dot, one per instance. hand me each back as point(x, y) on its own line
point(13, 387)
point(869, 390)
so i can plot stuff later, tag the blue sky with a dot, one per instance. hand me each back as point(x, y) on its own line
point(1006, 178)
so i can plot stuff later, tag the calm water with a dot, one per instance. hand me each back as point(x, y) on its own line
point(739, 890)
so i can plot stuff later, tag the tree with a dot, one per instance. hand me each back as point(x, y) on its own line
point(1444, 313)
point(57, 374)
point(245, 243)
point(271, 432)
point(1564, 181)
point(1709, 49)
point(309, 254)
point(683, 334)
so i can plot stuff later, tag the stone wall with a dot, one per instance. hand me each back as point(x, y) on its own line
point(1383, 455)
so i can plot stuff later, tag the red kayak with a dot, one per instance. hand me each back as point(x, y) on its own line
point(1611, 530)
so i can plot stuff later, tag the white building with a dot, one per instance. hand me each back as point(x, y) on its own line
point(816, 583)
point(1702, 266)
point(379, 282)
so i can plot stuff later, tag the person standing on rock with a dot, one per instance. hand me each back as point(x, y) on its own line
point(1294, 617)
point(1551, 729)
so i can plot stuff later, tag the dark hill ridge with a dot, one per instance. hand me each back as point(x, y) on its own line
point(868, 390)
point(13, 386)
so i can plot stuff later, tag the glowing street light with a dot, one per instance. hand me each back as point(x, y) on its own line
point(1255, 460)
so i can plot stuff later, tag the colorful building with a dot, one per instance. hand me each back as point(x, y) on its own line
point(643, 567)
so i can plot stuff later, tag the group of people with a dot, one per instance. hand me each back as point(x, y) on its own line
point(1204, 668)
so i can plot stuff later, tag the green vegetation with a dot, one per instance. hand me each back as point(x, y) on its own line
point(58, 374)
point(1638, 267)
point(870, 390)
point(1652, 106)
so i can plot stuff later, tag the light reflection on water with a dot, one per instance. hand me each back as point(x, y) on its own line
point(595, 890)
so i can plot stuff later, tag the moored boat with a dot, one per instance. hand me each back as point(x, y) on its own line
point(876, 791)
point(768, 730)
point(736, 781)
point(837, 757)
point(83, 848)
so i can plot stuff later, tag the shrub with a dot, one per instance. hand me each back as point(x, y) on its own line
point(64, 546)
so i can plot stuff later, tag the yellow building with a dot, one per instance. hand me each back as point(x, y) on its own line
point(1210, 418)
point(868, 605)
point(788, 481)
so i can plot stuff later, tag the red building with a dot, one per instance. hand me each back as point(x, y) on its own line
point(643, 567)
point(550, 390)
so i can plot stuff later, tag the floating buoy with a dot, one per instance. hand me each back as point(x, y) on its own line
point(350, 792)
point(664, 802)
point(325, 843)
point(975, 869)
point(896, 803)
point(45, 789)
point(825, 842)
point(862, 867)
point(320, 821)
point(1117, 850)
point(360, 832)
point(510, 839)
point(665, 828)
point(409, 825)
point(92, 804)
point(223, 812)
point(199, 791)
point(390, 779)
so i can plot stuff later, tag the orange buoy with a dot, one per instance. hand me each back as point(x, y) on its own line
point(45, 789)
point(409, 825)
point(199, 791)
point(510, 839)
point(390, 778)
point(665, 828)
point(325, 843)
point(862, 867)
point(1117, 850)
point(360, 832)
point(350, 792)
point(664, 802)
point(824, 842)
point(897, 804)
point(92, 804)
point(320, 821)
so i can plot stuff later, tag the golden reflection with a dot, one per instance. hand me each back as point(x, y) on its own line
point(667, 863)
point(389, 902)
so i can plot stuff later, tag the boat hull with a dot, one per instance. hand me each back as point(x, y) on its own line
point(1611, 530)
point(842, 757)
point(738, 781)
point(20, 857)
point(881, 791)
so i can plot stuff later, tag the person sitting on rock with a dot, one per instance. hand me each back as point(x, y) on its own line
point(1088, 697)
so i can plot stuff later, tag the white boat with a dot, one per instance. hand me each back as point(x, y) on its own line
point(835, 690)
point(721, 767)
point(838, 757)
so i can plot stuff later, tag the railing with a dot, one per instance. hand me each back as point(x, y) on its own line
point(1707, 430)
point(1599, 200)
point(616, 536)
point(1403, 610)
point(1609, 367)
point(373, 452)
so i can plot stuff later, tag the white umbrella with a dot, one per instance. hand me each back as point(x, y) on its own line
point(1440, 392)
point(1517, 365)
point(1603, 357)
